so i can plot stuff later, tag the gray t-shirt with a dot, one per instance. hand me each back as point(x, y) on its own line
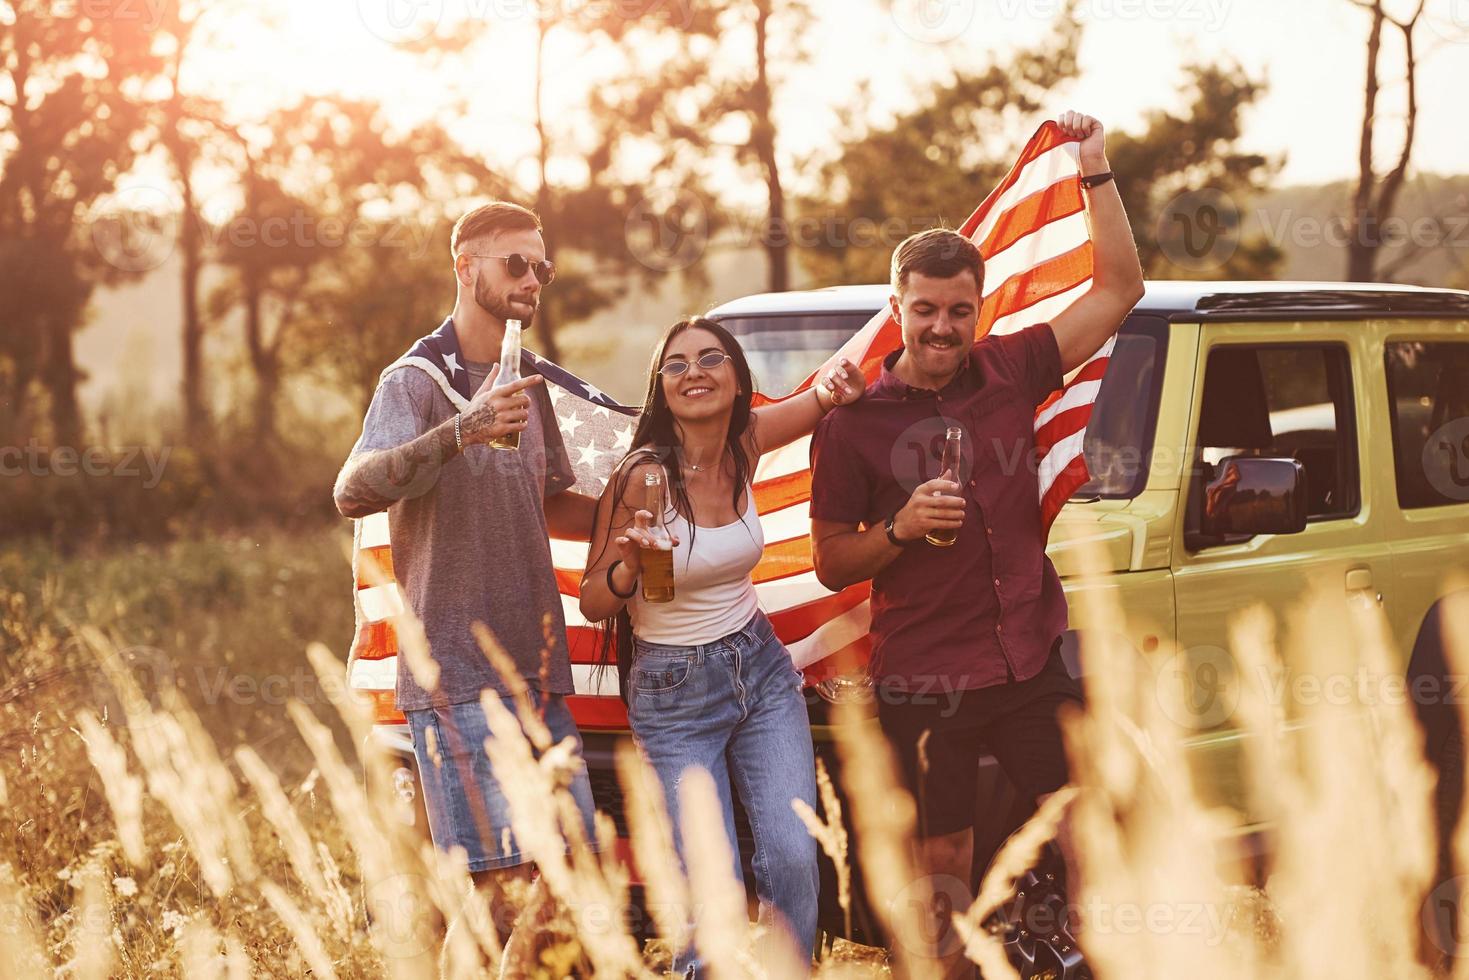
point(473, 546)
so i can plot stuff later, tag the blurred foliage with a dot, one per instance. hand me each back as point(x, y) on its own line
point(188, 612)
point(933, 165)
point(66, 128)
point(1189, 152)
point(321, 180)
point(159, 492)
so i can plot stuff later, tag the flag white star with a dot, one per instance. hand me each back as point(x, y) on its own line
point(593, 393)
point(569, 423)
point(452, 363)
point(587, 455)
point(624, 438)
point(556, 392)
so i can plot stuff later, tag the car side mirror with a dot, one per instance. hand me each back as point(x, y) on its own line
point(1251, 495)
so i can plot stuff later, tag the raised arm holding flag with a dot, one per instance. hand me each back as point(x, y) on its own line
point(966, 639)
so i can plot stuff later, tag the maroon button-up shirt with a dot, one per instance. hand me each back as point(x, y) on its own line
point(987, 609)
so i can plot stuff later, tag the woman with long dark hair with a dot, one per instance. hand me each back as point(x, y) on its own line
point(707, 682)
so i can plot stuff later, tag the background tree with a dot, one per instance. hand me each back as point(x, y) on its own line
point(1182, 179)
point(69, 108)
point(189, 126)
point(753, 101)
point(933, 165)
point(320, 180)
point(595, 166)
point(957, 146)
point(733, 119)
point(377, 300)
point(1376, 196)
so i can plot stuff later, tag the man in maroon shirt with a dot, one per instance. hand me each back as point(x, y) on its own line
point(965, 638)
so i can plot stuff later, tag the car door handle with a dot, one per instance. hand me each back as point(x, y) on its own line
point(1360, 580)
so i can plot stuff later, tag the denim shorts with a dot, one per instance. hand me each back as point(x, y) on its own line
point(466, 805)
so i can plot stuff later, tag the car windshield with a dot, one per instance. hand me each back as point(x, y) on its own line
point(784, 349)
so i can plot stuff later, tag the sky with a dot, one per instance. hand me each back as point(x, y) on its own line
point(1311, 52)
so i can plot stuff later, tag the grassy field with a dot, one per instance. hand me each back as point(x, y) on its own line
point(185, 797)
point(227, 621)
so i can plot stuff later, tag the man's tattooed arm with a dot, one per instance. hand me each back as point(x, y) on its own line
point(374, 481)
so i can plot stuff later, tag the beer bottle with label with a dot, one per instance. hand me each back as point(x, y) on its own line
point(509, 372)
point(949, 468)
point(657, 561)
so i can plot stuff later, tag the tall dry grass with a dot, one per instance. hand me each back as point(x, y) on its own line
point(143, 841)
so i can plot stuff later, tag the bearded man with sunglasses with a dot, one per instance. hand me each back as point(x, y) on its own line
point(469, 527)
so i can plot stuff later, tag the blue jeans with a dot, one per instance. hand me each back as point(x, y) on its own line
point(734, 708)
point(466, 806)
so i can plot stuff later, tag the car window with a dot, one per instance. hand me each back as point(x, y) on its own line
point(784, 349)
point(1428, 394)
point(1119, 434)
point(1286, 400)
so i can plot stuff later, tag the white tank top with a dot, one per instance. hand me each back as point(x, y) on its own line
point(712, 592)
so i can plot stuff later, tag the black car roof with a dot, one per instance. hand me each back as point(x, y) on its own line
point(1189, 300)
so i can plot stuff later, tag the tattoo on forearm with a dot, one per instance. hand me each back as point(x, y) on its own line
point(375, 481)
point(477, 422)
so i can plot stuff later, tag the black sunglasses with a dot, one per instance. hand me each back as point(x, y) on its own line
point(709, 360)
point(517, 264)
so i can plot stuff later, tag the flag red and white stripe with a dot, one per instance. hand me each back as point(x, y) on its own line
point(1033, 235)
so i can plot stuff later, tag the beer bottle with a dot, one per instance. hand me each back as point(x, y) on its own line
point(953, 453)
point(657, 561)
point(509, 372)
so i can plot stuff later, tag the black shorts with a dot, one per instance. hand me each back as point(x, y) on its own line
point(1016, 722)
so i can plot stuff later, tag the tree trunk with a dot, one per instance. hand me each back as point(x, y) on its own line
point(196, 412)
point(17, 409)
point(762, 138)
point(267, 395)
point(1361, 257)
point(545, 323)
point(1387, 192)
point(60, 375)
point(263, 363)
point(1375, 201)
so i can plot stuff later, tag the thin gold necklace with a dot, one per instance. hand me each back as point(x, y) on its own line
point(696, 468)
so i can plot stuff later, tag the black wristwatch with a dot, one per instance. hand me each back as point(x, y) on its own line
point(1096, 180)
point(893, 537)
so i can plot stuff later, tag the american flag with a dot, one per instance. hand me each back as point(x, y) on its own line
point(1033, 234)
